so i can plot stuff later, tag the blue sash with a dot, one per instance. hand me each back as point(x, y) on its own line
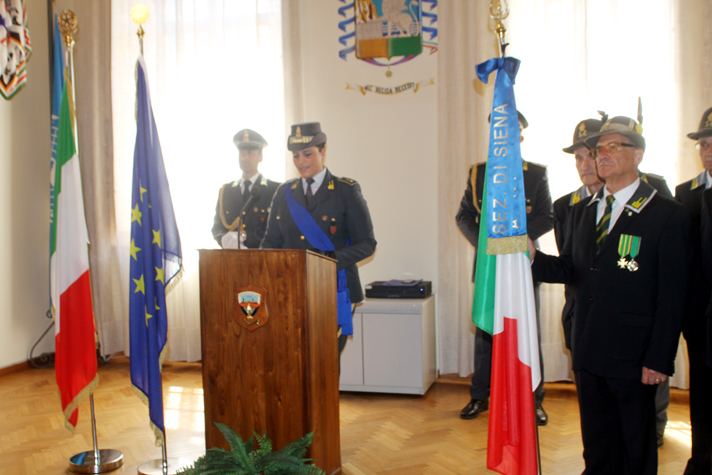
point(318, 238)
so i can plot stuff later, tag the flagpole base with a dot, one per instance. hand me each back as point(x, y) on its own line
point(155, 467)
point(109, 459)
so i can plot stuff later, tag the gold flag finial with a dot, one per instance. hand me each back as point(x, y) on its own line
point(68, 27)
point(139, 15)
point(499, 12)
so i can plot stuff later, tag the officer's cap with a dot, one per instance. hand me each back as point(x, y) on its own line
point(248, 138)
point(619, 125)
point(305, 135)
point(705, 126)
point(585, 129)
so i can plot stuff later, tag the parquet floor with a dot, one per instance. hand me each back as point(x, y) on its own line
point(380, 434)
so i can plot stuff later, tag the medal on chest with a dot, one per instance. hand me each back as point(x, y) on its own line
point(629, 245)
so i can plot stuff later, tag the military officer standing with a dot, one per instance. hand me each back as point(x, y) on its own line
point(625, 258)
point(229, 225)
point(591, 183)
point(539, 222)
point(324, 213)
point(698, 296)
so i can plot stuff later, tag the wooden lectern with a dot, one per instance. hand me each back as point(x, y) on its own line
point(270, 358)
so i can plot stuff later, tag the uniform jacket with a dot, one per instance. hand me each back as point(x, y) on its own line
point(706, 239)
point(536, 191)
point(562, 209)
point(689, 194)
point(340, 211)
point(624, 320)
point(228, 208)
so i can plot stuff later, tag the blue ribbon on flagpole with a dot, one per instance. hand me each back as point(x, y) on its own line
point(506, 203)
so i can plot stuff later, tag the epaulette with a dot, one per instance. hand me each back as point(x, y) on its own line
point(348, 181)
point(526, 165)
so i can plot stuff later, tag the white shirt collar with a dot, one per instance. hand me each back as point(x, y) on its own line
point(318, 180)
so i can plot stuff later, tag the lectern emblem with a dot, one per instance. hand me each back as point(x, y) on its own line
point(251, 311)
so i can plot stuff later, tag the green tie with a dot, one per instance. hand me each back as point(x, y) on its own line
point(603, 224)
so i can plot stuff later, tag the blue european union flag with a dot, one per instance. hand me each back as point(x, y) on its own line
point(155, 258)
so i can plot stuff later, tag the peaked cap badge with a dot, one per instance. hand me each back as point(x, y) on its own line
point(708, 123)
point(299, 132)
point(246, 136)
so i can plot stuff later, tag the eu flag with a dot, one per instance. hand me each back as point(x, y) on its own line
point(155, 258)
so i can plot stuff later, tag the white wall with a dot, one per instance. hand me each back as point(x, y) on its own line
point(386, 143)
point(24, 203)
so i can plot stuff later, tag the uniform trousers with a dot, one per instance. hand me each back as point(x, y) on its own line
point(480, 387)
point(617, 425)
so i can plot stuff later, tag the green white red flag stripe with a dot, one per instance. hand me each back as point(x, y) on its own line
point(70, 289)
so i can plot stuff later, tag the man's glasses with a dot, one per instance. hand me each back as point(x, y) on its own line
point(610, 147)
point(703, 146)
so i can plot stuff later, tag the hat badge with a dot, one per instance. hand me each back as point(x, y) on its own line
point(582, 130)
point(299, 132)
point(709, 120)
point(246, 136)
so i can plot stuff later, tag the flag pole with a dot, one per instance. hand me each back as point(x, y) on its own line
point(164, 465)
point(95, 461)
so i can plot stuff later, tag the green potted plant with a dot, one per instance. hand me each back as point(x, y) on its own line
point(244, 458)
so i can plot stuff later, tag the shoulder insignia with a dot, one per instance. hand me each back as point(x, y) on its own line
point(348, 181)
point(331, 185)
point(575, 198)
point(641, 197)
point(525, 165)
point(233, 184)
point(699, 180)
point(294, 185)
point(263, 182)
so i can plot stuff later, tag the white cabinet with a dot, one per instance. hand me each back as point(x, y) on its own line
point(393, 347)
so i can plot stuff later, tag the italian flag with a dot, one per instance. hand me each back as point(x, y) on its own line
point(70, 290)
point(504, 307)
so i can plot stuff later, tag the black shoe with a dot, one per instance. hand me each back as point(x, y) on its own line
point(541, 417)
point(473, 409)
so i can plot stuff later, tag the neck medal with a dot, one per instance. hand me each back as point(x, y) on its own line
point(628, 246)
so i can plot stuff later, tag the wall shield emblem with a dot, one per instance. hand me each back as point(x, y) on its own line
point(251, 307)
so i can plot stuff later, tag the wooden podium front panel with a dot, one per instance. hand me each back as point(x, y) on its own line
point(278, 378)
point(323, 403)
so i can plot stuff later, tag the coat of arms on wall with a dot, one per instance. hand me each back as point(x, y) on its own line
point(251, 309)
point(387, 29)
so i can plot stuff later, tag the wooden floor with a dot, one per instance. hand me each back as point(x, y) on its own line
point(380, 434)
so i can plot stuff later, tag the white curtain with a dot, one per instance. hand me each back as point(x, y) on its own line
point(214, 67)
point(578, 56)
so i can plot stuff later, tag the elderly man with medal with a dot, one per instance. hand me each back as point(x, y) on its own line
point(324, 213)
point(625, 257)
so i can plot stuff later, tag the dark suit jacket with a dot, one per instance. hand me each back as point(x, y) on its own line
point(562, 210)
point(340, 211)
point(536, 191)
point(694, 325)
point(228, 208)
point(706, 233)
point(624, 320)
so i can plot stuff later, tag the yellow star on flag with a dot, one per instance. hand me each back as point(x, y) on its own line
point(159, 275)
point(157, 237)
point(136, 215)
point(142, 190)
point(134, 250)
point(148, 315)
point(140, 286)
